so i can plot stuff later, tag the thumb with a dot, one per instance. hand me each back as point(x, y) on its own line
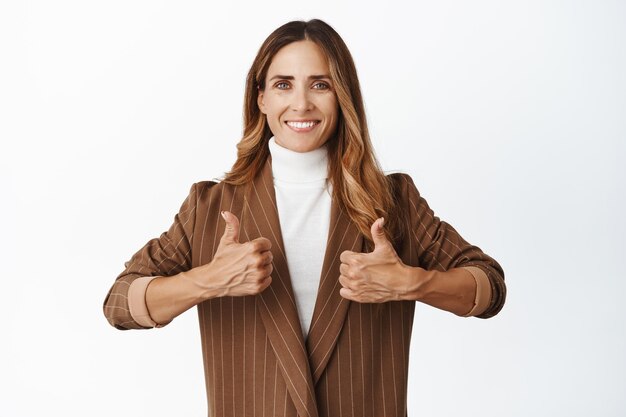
point(231, 232)
point(378, 234)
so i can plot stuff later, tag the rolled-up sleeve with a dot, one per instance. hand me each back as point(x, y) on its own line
point(440, 247)
point(125, 306)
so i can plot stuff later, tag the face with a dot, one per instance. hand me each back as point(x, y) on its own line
point(299, 99)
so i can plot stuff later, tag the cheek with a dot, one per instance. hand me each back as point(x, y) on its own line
point(274, 119)
point(274, 108)
point(330, 108)
point(333, 115)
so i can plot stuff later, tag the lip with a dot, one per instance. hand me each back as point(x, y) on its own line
point(304, 129)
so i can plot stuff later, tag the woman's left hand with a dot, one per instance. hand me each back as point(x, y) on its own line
point(374, 277)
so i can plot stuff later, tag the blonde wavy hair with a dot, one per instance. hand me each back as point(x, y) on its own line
point(359, 185)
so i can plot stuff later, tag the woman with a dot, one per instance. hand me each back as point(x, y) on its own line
point(305, 262)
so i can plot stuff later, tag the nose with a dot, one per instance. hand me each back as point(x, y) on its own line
point(301, 101)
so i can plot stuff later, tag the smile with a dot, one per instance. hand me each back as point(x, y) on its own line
point(303, 126)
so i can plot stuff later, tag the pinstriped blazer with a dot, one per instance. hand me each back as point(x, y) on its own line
point(354, 360)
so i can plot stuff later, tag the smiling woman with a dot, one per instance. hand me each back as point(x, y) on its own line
point(306, 260)
point(301, 107)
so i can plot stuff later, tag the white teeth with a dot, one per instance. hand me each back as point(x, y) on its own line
point(301, 125)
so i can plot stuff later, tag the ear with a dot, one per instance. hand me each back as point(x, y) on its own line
point(260, 102)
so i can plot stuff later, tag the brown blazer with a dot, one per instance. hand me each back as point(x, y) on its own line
point(354, 361)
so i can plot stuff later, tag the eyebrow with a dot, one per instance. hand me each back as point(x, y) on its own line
point(291, 77)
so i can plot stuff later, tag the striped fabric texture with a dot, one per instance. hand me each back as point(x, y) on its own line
point(354, 361)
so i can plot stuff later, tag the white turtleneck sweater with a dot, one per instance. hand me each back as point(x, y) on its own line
point(303, 198)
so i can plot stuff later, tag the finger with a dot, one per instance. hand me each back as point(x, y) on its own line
point(231, 231)
point(262, 273)
point(348, 272)
point(259, 260)
point(344, 281)
point(258, 286)
point(348, 294)
point(346, 256)
point(378, 233)
point(267, 257)
point(261, 244)
point(266, 283)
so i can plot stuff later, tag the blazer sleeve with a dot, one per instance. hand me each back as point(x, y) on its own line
point(166, 255)
point(439, 246)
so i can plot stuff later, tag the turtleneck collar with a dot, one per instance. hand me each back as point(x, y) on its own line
point(298, 167)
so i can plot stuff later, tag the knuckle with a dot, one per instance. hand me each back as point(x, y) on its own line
point(358, 264)
point(260, 244)
point(263, 284)
point(349, 273)
point(258, 261)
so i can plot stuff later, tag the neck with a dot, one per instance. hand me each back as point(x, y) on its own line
point(298, 167)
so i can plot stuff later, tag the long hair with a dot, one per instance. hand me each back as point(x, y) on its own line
point(359, 185)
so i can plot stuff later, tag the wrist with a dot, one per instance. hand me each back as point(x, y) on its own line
point(417, 280)
point(453, 290)
point(195, 282)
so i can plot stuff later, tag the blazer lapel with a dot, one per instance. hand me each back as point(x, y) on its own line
point(330, 307)
point(276, 303)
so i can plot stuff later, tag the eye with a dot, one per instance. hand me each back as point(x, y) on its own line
point(321, 86)
point(281, 85)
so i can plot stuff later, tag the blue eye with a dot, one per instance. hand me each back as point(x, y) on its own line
point(323, 86)
point(280, 84)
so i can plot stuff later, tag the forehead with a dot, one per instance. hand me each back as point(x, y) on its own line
point(299, 58)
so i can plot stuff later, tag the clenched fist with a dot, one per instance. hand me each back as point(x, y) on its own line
point(239, 269)
point(374, 277)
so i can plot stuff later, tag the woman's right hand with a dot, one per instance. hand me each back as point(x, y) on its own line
point(237, 269)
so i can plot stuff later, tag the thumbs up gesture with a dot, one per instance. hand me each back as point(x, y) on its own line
point(374, 277)
point(239, 269)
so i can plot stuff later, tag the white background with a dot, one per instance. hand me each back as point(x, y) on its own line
point(510, 117)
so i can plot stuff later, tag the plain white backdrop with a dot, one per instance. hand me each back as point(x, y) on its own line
point(509, 116)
